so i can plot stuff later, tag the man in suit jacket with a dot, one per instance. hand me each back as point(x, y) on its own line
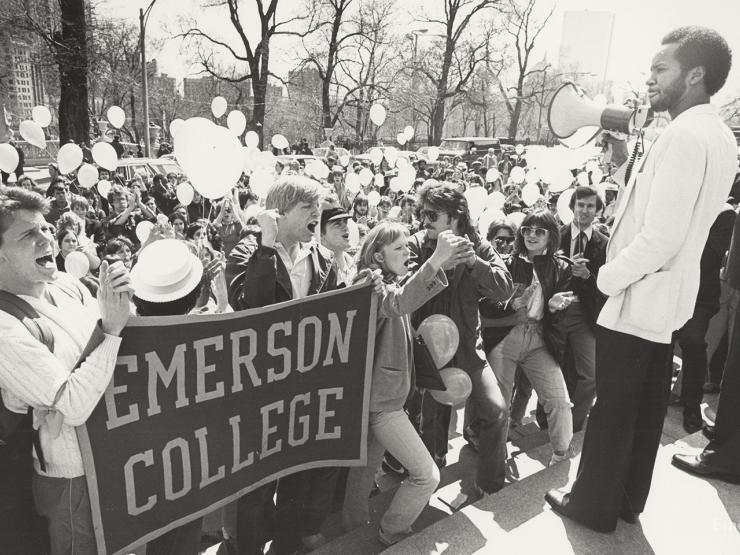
point(651, 278)
point(721, 458)
point(586, 247)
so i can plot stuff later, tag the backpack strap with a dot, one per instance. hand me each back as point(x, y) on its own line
point(41, 331)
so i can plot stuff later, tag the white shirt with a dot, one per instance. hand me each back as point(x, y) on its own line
point(30, 375)
point(298, 269)
point(574, 231)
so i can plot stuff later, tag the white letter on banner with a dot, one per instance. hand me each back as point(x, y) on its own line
point(147, 457)
point(237, 359)
point(236, 444)
point(156, 369)
point(301, 365)
point(114, 419)
point(336, 340)
point(273, 376)
point(187, 478)
point(201, 369)
point(338, 392)
point(278, 406)
point(304, 420)
point(205, 479)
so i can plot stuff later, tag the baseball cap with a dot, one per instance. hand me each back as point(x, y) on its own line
point(333, 214)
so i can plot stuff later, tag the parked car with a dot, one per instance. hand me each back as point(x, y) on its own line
point(461, 146)
point(323, 152)
point(129, 167)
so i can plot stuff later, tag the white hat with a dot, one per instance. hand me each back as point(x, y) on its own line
point(166, 271)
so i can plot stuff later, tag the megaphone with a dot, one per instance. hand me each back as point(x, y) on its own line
point(570, 110)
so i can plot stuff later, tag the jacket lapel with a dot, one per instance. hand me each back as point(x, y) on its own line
point(283, 278)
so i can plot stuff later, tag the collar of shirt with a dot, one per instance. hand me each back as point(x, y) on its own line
point(575, 230)
point(298, 268)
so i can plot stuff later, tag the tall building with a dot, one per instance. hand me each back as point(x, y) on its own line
point(586, 43)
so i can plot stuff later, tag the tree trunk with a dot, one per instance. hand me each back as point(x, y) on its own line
point(259, 94)
point(438, 116)
point(71, 59)
point(514, 122)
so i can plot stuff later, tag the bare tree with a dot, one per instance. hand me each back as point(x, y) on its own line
point(457, 56)
point(256, 57)
point(523, 28)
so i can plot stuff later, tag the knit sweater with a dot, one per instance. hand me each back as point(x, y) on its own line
point(30, 375)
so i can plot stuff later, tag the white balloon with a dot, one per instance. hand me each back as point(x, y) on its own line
point(8, 158)
point(266, 160)
point(394, 213)
point(516, 218)
point(318, 170)
point(530, 194)
point(175, 126)
point(519, 149)
point(433, 153)
point(41, 115)
point(87, 175)
point(185, 193)
point(76, 264)
point(495, 201)
point(210, 155)
point(69, 158)
point(105, 156)
point(391, 155)
point(279, 142)
point(563, 206)
point(143, 229)
point(487, 217)
point(582, 179)
point(352, 182)
point(251, 156)
point(492, 175)
point(344, 160)
point(236, 122)
point(559, 180)
point(354, 233)
point(597, 175)
point(104, 187)
point(377, 114)
point(409, 132)
point(116, 116)
point(260, 182)
point(592, 165)
point(32, 132)
point(366, 176)
point(517, 174)
point(395, 184)
point(379, 180)
point(476, 201)
point(373, 198)
point(402, 162)
point(376, 155)
point(533, 176)
point(12, 178)
point(251, 139)
point(401, 138)
point(218, 106)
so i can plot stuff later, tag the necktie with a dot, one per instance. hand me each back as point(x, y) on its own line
point(581, 243)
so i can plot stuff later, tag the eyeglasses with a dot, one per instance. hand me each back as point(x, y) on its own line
point(430, 215)
point(504, 239)
point(537, 231)
point(61, 190)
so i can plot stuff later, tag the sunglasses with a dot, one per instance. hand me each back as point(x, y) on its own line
point(430, 215)
point(537, 231)
point(504, 239)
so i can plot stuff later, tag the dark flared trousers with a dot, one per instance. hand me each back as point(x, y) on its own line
point(623, 432)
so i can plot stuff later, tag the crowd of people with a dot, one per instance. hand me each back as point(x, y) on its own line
point(540, 304)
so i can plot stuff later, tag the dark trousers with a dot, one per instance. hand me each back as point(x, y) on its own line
point(727, 422)
point(304, 500)
point(624, 428)
point(432, 420)
point(183, 540)
point(691, 337)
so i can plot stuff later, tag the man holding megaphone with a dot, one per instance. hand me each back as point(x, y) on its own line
point(651, 278)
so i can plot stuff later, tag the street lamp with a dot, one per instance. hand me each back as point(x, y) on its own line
point(143, 18)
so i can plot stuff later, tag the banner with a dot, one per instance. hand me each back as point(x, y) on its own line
point(203, 409)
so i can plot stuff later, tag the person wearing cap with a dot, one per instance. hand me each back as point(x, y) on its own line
point(335, 239)
point(283, 264)
point(337, 179)
point(62, 378)
point(167, 281)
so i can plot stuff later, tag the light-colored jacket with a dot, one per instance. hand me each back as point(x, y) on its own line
point(393, 363)
point(651, 275)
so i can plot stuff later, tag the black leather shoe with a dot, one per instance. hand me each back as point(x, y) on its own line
point(560, 503)
point(709, 432)
point(692, 421)
point(697, 464)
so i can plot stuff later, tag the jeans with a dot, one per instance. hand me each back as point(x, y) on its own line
point(391, 431)
point(432, 419)
point(524, 347)
point(66, 505)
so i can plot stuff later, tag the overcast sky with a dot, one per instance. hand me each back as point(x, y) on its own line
point(639, 26)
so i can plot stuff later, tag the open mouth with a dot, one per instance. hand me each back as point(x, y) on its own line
point(345, 236)
point(45, 261)
point(312, 226)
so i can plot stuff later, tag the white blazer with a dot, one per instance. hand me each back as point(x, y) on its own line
point(651, 275)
